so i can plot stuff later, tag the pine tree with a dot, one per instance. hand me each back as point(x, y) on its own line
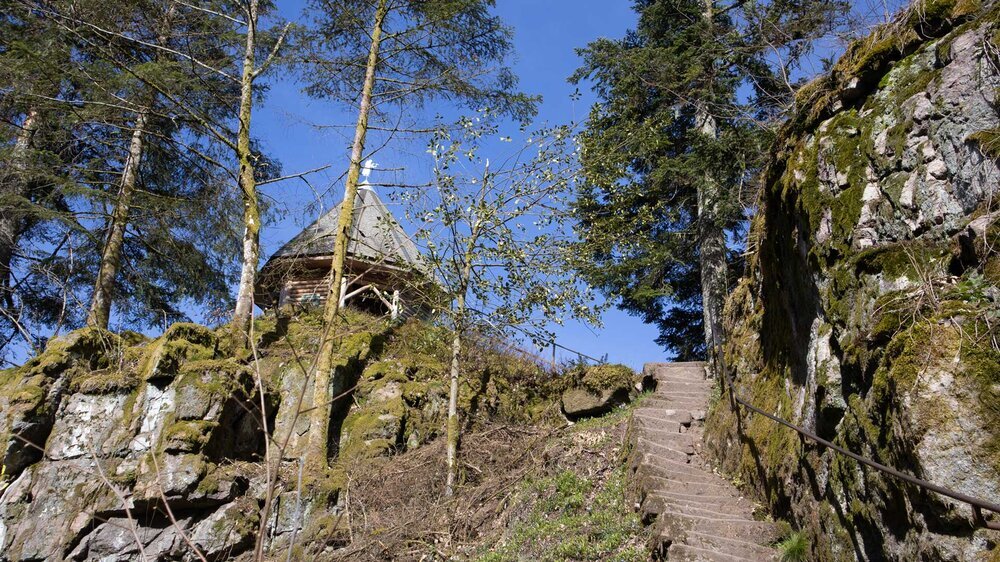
point(398, 53)
point(147, 99)
point(36, 151)
point(687, 103)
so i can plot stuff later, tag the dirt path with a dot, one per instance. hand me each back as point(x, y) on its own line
point(696, 514)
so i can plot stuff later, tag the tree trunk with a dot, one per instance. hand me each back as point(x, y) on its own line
point(100, 303)
point(239, 328)
point(456, 352)
point(712, 256)
point(711, 235)
point(13, 221)
point(453, 429)
point(319, 418)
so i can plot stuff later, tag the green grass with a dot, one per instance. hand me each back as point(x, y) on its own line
point(794, 548)
point(574, 518)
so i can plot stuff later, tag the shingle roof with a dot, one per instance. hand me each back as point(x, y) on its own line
point(374, 236)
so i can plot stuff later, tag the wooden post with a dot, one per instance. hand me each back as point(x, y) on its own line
point(394, 309)
point(343, 291)
point(553, 355)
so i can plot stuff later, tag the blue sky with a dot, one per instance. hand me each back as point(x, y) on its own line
point(305, 134)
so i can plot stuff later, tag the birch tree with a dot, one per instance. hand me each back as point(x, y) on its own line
point(247, 177)
point(385, 55)
point(496, 237)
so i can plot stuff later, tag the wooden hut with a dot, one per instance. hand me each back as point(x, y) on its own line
point(383, 270)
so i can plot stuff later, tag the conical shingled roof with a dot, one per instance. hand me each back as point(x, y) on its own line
point(374, 236)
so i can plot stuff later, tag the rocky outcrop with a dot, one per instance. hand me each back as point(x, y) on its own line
point(124, 448)
point(115, 428)
point(868, 314)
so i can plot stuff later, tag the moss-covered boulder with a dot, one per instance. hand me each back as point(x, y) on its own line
point(598, 390)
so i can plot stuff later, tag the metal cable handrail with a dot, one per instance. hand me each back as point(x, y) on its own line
point(978, 505)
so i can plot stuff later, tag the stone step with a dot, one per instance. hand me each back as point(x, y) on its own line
point(667, 449)
point(674, 385)
point(651, 422)
point(696, 514)
point(676, 490)
point(716, 512)
point(665, 402)
point(688, 397)
point(704, 496)
point(688, 440)
point(687, 553)
point(716, 543)
point(693, 368)
point(675, 454)
point(670, 412)
point(674, 440)
point(649, 425)
point(665, 385)
point(676, 483)
point(682, 473)
point(663, 456)
point(674, 526)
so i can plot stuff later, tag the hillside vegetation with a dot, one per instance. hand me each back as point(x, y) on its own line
point(137, 432)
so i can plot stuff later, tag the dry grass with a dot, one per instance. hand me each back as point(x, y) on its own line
point(397, 509)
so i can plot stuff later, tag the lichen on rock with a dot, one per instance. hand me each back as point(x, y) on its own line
point(102, 427)
point(867, 311)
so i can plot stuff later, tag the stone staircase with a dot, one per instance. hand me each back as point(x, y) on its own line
point(696, 514)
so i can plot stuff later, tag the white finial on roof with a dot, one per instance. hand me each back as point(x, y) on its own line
point(366, 172)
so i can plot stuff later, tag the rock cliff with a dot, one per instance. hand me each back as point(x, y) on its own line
point(869, 311)
point(115, 444)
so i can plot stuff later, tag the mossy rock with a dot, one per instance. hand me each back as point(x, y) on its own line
point(86, 343)
point(204, 386)
point(598, 390)
point(192, 333)
point(188, 436)
point(105, 381)
point(376, 428)
point(608, 377)
point(181, 342)
point(579, 403)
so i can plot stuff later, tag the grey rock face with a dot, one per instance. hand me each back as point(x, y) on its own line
point(177, 428)
point(864, 315)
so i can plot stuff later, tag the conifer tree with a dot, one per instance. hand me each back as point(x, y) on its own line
point(686, 106)
point(153, 93)
point(32, 153)
point(99, 311)
point(384, 54)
